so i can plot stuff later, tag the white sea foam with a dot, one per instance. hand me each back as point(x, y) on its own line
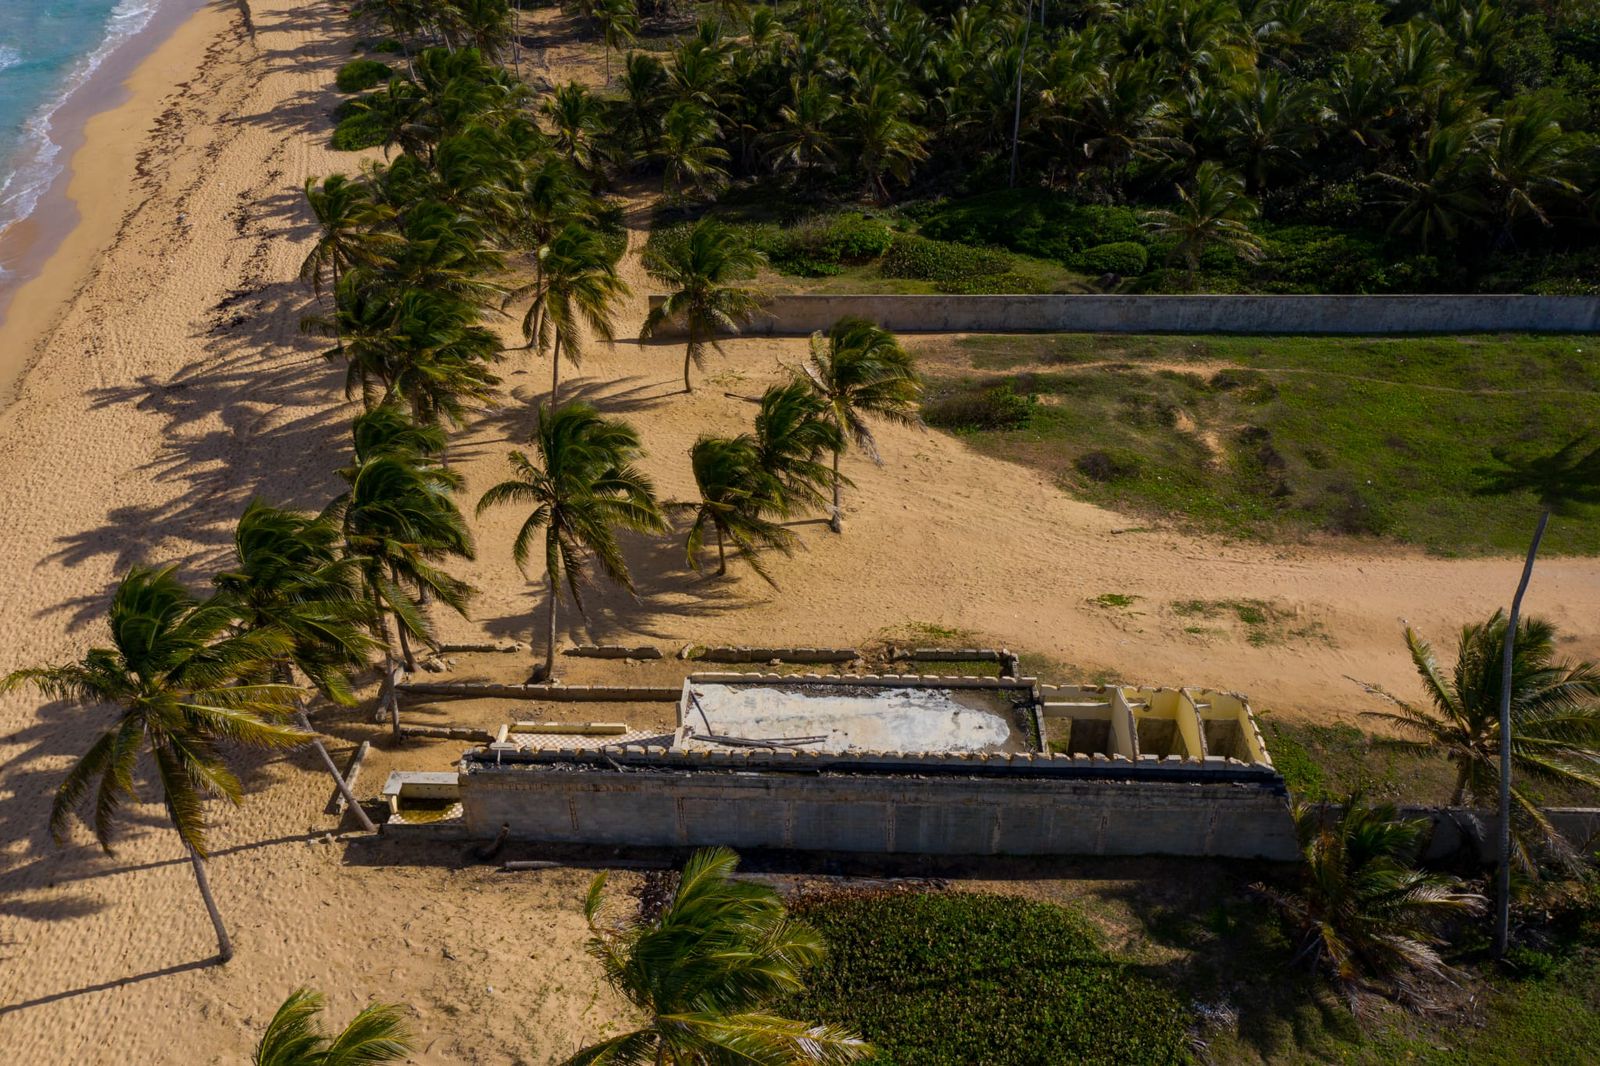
point(35, 163)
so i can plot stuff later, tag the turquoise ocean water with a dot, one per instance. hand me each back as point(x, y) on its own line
point(47, 49)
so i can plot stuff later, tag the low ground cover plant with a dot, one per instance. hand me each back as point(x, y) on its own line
point(938, 978)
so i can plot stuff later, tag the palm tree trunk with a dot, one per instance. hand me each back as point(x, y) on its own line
point(304, 722)
point(688, 357)
point(1502, 902)
point(386, 691)
point(550, 630)
point(836, 523)
point(722, 555)
point(555, 371)
point(406, 653)
point(224, 945)
point(1459, 796)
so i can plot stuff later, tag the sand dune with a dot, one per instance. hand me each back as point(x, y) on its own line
point(176, 385)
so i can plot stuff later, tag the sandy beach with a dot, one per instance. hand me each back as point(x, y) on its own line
point(169, 383)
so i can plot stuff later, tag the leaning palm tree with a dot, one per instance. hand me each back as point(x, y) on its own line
point(703, 270)
point(294, 1037)
point(793, 432)
point(580, 287)
point(738, 501)
point(582, 486)
point(860, 370)
point(397, 521)
point(184, 684)
point(1363, 915)
point(1561, 482)
point(351, 229)
point(704, 971)
point(1554, 712)
point(288, 577)
point(1214, 211)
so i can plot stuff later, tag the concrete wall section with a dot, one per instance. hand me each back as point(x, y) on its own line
point(948, 816)
point(792, 315)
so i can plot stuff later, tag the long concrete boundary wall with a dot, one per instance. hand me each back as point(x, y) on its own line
point(799, 315)
point(939, 816)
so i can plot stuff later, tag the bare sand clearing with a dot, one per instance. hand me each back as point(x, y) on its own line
point(174, 385)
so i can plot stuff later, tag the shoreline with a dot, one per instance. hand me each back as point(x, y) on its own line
point(100, 127)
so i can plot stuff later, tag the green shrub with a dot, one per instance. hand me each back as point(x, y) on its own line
point(919, 258)
point(996, 407)
point(819, 246)
point(1107, 466)
point(1126, 259)
point(1321, 259)
point(960, 978)
point(1007, 283)
point(359, 75)
point(357, 130)
point(1033, 222)
point(388, 46)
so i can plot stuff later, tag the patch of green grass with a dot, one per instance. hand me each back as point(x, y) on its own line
point(1279, 437)
point(964, 978)
point(1114, 599)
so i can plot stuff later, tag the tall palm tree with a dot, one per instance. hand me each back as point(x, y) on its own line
point(397, 521)
point(703, 271)
point(1561, 482)
point(705, 969)
point(582, 486)
point(860, 371)
point(1364, 916)
point(580, 287)
point(577, 120)
point(619, 26)
point(1555, 714)
point(351, 229)
point(793, 431)
point(1528, 164)
point(738, 500)
point(1213, 211)
point(287, 576)
point(1439, 193)
point(184, 684)
point(294, 1037)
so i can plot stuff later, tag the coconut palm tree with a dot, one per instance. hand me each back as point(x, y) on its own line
point(618, 21)
point(704, 971)
point(1213, 211)
point(1555, 715)
point(1440, 192)
point(184, 684)
point(397, 520)
point(703, 271)
point(690, 158)
point(580, 287)
point(860, 371)
point(1528, 164)
point(1561, 482)
point(582, 486)
point(288, 576)
point(351, 229)
point(294, 1037)
point(577, 120)
point(793, 431)
point(1363, 915)
point(738, 501)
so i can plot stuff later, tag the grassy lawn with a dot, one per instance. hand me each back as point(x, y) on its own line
point(1279, 437)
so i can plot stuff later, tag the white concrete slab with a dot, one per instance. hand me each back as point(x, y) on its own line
point(838, 718)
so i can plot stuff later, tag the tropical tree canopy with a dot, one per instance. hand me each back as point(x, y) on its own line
point(702, 972)
point(1555, 716)
point(1365, 917)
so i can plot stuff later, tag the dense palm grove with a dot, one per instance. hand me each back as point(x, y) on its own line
point(1408, 144)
